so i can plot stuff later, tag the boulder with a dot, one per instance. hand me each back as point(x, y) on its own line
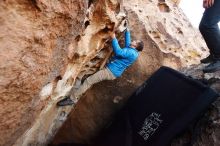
point(48, 47)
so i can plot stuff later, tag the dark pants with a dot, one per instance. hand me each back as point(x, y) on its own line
point(210, 30)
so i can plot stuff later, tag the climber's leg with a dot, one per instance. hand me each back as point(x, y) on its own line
point(104, 74)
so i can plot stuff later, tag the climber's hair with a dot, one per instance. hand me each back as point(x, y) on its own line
point(140, 45)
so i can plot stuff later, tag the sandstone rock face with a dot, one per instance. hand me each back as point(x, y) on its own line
point(48, 46)
point(169, 39)
point(34, 40)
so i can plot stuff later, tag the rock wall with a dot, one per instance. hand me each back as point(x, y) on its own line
point(34, 40)
point(47, 47)
point(169, 40)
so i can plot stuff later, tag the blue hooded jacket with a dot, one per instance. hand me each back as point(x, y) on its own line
point(122, 58)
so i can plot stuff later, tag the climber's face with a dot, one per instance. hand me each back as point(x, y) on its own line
point(134, 44)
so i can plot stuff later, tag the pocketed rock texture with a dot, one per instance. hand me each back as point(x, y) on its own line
point(48, 46)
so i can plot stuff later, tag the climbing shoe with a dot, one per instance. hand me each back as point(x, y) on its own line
point(208, 59)
point(212, 67)
point(66, 101)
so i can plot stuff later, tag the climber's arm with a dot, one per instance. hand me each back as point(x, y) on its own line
point(117, 49)
point(127, 38)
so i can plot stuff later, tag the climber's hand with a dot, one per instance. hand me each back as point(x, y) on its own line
point(126, 25)
point(112, 34)
point(207, 3)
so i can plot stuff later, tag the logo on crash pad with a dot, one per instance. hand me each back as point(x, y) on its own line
point(150, 125)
